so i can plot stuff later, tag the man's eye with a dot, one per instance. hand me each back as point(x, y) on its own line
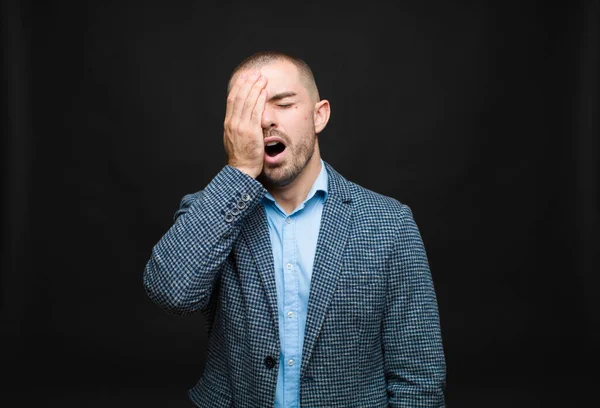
point(284, 105)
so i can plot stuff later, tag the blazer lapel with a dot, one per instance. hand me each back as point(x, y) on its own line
point(256, 235)
point(333, 233)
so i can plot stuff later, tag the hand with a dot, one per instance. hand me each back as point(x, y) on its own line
point(243, 134)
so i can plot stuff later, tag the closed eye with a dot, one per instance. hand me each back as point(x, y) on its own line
point(287, 105)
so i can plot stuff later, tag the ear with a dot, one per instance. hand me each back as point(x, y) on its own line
point(321, 115)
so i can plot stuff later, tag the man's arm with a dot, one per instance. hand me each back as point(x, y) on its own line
point(186, 261)
point(415, 367)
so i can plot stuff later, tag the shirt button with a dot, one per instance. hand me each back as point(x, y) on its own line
point(288, 220)
point(290, 362)
point(289, 266)
point(290, 314)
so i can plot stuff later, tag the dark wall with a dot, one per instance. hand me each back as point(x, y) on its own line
point(481, 116)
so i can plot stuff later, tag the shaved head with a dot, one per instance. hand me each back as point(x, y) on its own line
point(263, 58)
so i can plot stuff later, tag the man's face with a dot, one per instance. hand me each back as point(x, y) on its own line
point(288, 125)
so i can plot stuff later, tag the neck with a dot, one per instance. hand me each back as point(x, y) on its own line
point(290, 196)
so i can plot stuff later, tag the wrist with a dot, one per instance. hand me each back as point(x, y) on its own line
point(252, 172)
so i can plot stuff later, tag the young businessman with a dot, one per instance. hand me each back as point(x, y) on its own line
point(317, 292)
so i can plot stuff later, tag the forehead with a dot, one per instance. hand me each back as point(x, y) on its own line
point(283, 76)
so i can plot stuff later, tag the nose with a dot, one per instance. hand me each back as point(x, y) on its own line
point(268, 119)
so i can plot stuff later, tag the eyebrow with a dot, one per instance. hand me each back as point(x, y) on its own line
point(282, 95)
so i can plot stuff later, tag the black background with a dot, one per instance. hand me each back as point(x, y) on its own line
point(482, 116)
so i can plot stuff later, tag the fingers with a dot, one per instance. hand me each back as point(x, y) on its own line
point(251, 100)
point(259, 108)
point(243, 134)
point(237, 103)
point(232, 95)
point(242, 95)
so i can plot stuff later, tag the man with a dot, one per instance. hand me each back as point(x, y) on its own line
point(317, 292)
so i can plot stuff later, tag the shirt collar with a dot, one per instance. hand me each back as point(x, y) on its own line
point(319, 186)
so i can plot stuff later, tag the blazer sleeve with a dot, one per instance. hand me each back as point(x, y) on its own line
point(186, 261)
point(415, 367)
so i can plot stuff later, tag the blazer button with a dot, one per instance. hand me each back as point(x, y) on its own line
point(269, 362)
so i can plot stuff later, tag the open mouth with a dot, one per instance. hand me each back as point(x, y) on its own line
point(272, 149)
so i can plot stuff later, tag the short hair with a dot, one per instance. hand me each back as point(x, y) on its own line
point(262, 58)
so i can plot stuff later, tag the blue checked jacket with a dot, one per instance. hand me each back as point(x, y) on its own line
point(372, 336)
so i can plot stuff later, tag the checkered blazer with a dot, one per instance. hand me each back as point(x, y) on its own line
point(372, 331)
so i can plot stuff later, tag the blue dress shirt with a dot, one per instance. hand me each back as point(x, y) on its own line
point(294, 242)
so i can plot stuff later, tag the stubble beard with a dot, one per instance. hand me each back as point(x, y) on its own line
point(284, 174)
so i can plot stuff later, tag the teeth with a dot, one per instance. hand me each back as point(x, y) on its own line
point(272, 143)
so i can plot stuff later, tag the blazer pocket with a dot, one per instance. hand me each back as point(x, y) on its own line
point(359, 281)
point(206, 395)
point(361, 298)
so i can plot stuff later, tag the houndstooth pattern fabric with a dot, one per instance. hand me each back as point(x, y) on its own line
point(372, 336)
